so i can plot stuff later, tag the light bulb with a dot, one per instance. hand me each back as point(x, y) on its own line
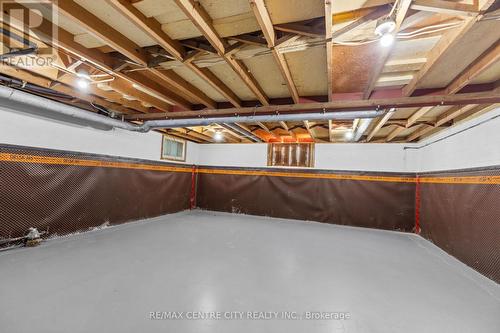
point(218, 136)
point(82, 83)
point(349, 135)
point(387, 40)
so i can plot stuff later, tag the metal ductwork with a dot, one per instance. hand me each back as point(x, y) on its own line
point(47, 108)
point(241, 131)
point(26, 102)
point(173, 123)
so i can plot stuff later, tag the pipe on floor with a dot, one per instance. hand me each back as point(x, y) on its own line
point(23, 100)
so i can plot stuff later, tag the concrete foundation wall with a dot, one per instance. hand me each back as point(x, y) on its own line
point(31, 131)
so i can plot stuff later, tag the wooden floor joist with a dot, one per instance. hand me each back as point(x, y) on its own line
point(199, 17)
point(122, 44)
point(153, 28)
point(66, 42)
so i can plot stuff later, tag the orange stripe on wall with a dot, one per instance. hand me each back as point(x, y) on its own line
point(24, 158)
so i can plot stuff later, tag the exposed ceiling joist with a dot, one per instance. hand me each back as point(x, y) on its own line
point(417, 115)
point(381, 122)
point(329, 45)
point(485, 60)
point(446, 7)
point(199, 17)
point(125, 46)
point(61, 88)
point(394, 133)
point(66, 42)
point(330, 131)
point(150, 26)
point(301, 29)
point(308, 129)
point(153, 28)
point(262, 15)
point(446, 42)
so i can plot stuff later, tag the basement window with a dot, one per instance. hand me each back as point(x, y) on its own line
point(291, 155)
point(173, 149)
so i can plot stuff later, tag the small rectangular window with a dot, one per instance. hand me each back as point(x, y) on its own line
point(291, 154)
point(173, 149)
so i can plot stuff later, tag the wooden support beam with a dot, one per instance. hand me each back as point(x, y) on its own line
point(446, 42)
point(445, 7)
point(150, 26)
point(65, 43)
point(300, 29)
point(330, 131)
point(215, 82)
point(250, 39)
point(478, 66)
point(262, 15)
point(394, 133)
point(344, 105)
point(402, 10)
point(126, 88)
point(329, 46)
point(101, 30)
point(421, 130)
point(116, 40)
point(153, 28)
point(373, 14)
point(264, 127)
point(417, 115)
point(380, 123)
point(448, 116)
point(451, 114)
point(284, 126)
point(203, 22)
point(197, 14)
point(308, 129)
point(32, 78)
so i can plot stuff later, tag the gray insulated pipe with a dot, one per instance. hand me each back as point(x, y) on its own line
point(26, 102)
point(44, 107)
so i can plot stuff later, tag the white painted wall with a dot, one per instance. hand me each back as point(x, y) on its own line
point(475, 147)
point(372, 157)
point(27, 130)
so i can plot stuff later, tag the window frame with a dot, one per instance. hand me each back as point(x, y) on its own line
point(169, 157)
point(311, 160)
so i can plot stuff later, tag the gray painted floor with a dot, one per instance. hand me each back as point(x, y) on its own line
point(110, 280)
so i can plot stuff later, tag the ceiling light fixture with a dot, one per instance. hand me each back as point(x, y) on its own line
point(387, 40)
point(349, 135)
point(385, 30)
point(83, 81)
point(218, 135)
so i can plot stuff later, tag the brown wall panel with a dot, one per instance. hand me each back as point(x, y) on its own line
point(374, 204)
point(70, 198)
point(464, 219)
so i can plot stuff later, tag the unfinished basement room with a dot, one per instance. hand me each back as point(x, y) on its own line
point(223, 166)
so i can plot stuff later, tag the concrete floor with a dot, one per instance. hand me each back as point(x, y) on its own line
point(110, 280)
